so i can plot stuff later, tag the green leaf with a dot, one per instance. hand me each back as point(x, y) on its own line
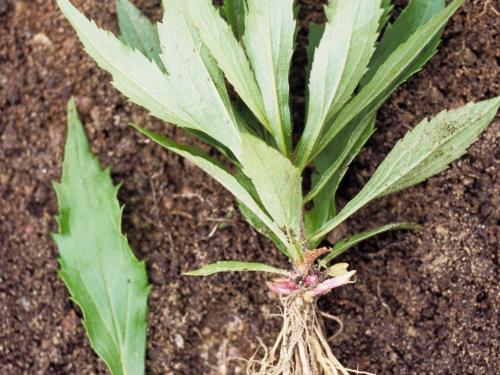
point(138, 31)
point(387, 8)
point(229, 54)
point(342, 246)
point(416, 14)
point(340, 61)
point(168, 97)
point(97, 265)
point(196, 77)
point(393, 72)
point(330, 162)
point(234, 11)
point(269, 39)
point(426, 150)
point(235, 266)
point(214, 169)
point(278, 184)
point(134, 75)
point(340, 153)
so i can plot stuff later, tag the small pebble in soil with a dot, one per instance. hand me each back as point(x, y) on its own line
point(179, 341)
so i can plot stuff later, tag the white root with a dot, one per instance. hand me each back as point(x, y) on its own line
point(301, 347)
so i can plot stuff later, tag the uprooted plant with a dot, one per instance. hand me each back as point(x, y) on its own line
point(180, 69)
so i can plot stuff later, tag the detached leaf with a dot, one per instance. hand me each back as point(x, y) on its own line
point(395, 70)
point(344, 245)
point(277, 182)
point(340, 61)
point(97, 265)
point(426, 150)
point(235, 266)
point(214, 169)
point(269, 40)
point(138, 31)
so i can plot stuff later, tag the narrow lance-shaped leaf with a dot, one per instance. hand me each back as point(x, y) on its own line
point(138, 31)
point(392, 72)
point(97, 265)
point(134, 75)
point(216, 171)
point(235, 266)
point(416, 14)
point(269, 39)
point(139, 35)
point(278, 184)
point(143, 82)
point(426, 150)
point(229, 54)
point(342, 246)
point(340, 61)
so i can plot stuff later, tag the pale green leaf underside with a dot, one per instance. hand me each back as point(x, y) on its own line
point(235, 266)
point(140, 36)
point(340, 61)
point(97, 265)
point(229, 54)
point(342, 246)
point(138, 31)
point(426, 150)
point(195, 76)
point(211, 167)
point(268, 39)
point(144, 83)
point(392, 71)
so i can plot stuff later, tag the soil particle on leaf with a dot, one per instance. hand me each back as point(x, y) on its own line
point(424, 303)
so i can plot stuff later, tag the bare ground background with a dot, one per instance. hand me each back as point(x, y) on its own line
point(425, 303)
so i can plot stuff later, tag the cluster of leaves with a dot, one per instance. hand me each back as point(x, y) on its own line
point(179, 70)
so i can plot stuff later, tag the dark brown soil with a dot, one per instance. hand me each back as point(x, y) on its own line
point(425, 303)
